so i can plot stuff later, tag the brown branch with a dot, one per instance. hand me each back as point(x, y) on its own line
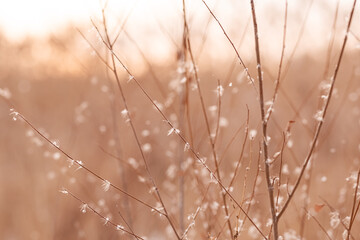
point(232, 45)
point(264, 125)
point(211, 140)
point(354, 209)
point(322, 117)
point(188, 146)
point(109, 45)
point(80, 163)
point(106, 219)
point(318, 223)
point(277, 81)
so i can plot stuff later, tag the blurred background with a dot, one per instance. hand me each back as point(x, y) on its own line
point(51, 73)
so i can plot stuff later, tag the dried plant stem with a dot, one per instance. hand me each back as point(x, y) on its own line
point(306, 200)
point(127, 224)
point(318, 223)
point(277, 81)
point(232, 45)
point(264, 125)
point(183, 104)
point(122, 173)
point(195, 215)
point(188, 146)
point(332, 209)
point(122, 26)
point(325, 108)
point(354, 35)
point(219, 87)
point(301, 33)
point(150, 67)
point(242, 149)
point(235, 59)
point(205, 35)
point(252, 192)
point(82, 165)
point(107, 220)
point(355, 208)
point(331, 41)
point(211, 140)
point(232, 140)
point(109, 45)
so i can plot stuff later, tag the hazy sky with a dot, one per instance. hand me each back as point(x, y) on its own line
point(22, 17)
point(19, 18)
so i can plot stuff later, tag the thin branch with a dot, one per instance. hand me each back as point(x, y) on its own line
point(242, 149)
point(264, 125)
point(110, 47)
point(219, 94)
point(232, 45)
point(318, 223)
point(127, 224)
point(94, 49)
point(354, 209)
point(322, 117)
point(211, 140)
point(106, 219)
point(81, 164)
point(301, 32)
point(188, 146)
point(277, 82)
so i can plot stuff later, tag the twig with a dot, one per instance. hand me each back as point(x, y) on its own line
point(301, 32)
point(188, 146)
point(127, 224)
point(81, 164)
point(318, 223)
point(211, 140)
point(106, 219)
point(322, 117)
point(232, 45)
point(242, 149)
point(354, 209)
point(108, 44)
point(219, 95)
point(277, 81)
point(264, 125)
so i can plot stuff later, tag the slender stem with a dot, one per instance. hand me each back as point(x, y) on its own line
point(324, 111)
point(242, 149)
point(219, 94)
point(106, 219)
point(82, 165)
point(211, 140)
point(319, 224)
point(183, 96)
point(187, 144)
point(232, 45)
point(301, 33)
point(277, 81)
point(264, 124)
point(354, 209)
point(110, 47)
point(118, 150)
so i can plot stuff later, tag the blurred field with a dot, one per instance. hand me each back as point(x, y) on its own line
point(59, 84)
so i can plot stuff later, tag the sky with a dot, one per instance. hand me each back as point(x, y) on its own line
point(37, 17)
point(20, 18)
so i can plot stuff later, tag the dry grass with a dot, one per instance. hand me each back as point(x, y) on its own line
point(149, 146)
